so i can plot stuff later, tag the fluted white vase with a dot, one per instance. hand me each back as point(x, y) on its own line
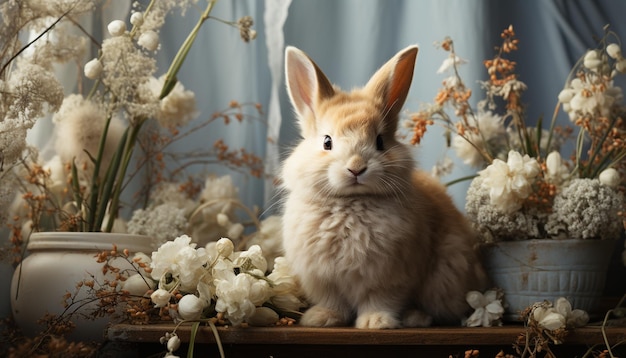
point(56, 262)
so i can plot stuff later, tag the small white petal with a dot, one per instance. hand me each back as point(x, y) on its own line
point(476, 319)
point(173, 343)
point(475, 299)
point(223, 220)
point(190, 307)
point(93, 69)
point(552, 321)
point(610, 177)
point(592, 60)
point(614, 51)
point(117, 27)
point(160, 297)
point(224, 247)
point(149, 40)
point(620, 65)
point(136, 18)
point(137, 285)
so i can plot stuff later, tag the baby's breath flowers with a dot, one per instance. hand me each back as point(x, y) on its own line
point(526, 189)
point(98, 129)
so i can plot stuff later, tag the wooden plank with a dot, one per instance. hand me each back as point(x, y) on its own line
point(296, 335)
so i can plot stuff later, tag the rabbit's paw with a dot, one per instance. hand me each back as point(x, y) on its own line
point(318, 316)
point(377, 320)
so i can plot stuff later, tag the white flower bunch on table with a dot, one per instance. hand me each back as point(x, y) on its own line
point(195, 283)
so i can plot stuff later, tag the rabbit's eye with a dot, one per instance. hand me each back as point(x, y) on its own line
point(379, 143)
point(328, 142)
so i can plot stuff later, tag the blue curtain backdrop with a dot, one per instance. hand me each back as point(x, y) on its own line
point(350, 39)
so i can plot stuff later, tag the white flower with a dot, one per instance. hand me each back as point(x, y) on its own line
point(190, 307)
point(556, 171)
point(490, 127)
point(173, 343)
point(573, 318)
point(251, 259)
point(610, 177)
point(620, 65)
point(285, 291)
point(117, 28)
point(224, 247)
point(137, 285)
point(488, 308)
point(160, 297)
point(450, 62)
point(174, 110)
point(270, 239)
point(79, 126)
point(614, 51)
point(510, 182)
point(182, 260)
point(136, 18)
point(93, 69)
point(223, 220)
point(592, 60)
point(233, 298)
point(549, 319)
point(149, 40)
point(558, 316)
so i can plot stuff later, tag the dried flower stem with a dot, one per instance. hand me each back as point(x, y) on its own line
point(170, 76)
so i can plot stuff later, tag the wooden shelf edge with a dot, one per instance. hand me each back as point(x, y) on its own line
point(297, 335)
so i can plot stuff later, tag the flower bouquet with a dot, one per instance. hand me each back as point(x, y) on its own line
point(526, 188)
point(526, 191)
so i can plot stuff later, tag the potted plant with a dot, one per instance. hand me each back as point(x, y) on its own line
point(529, 197)
point(120, 105)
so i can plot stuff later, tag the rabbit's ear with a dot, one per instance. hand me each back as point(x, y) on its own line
point(306, 85)
point(393, 81)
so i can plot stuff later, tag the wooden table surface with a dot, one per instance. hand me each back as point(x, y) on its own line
point(290, 341)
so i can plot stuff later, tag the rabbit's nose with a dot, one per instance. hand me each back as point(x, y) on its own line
point(357, 171)
point(356, 165)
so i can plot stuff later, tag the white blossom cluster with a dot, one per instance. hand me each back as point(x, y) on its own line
point(586, 209)
point(593, 94)
point(494, 224)
point(558, 316)
point(126, 90)
point(28, 84)
point(217, 279)
point(581, 209)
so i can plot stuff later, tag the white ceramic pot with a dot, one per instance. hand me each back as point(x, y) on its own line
point(57, 261)
point(531, 271)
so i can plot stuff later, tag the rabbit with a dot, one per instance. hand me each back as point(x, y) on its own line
point(373, 241)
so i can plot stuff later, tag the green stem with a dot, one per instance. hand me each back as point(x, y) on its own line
point(95, 180)
point(462, 179)
point(177, 63)
point(598, 147)
point(129, 146)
